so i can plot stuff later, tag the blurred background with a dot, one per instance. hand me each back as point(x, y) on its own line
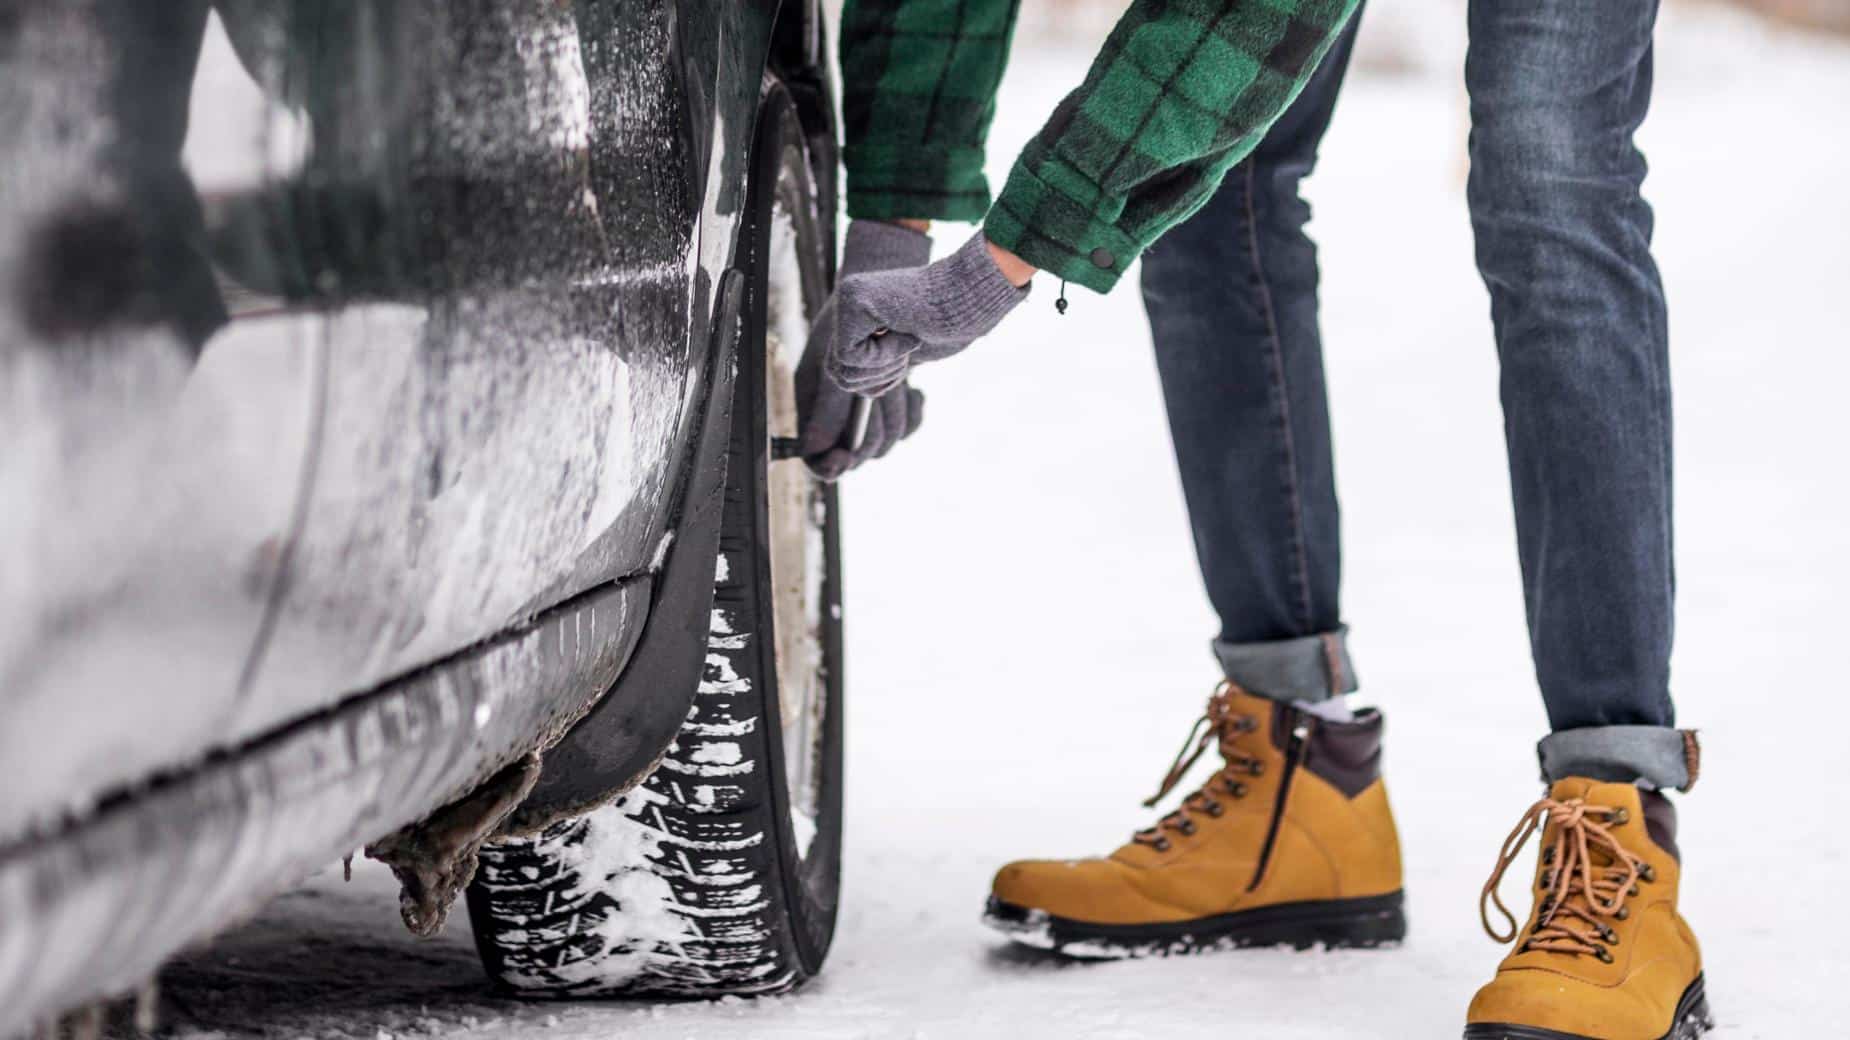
point(1418, 34)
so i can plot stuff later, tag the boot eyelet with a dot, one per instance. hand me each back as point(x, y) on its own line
point(1547, 880)
point(1622, 913)
point(1611, 937)
point(1620, 816)
point(1215, 809)
point(1548, 855)
point(1236, 788)
point(1162, 845)
point(1632, 891)
point(1648, 873)
point(1187, 827)
point(1604, 955)
point(1256, 769)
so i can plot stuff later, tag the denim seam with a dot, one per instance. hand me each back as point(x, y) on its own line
point(1660, 359)
point(1665, 433)
point(1281, 404)
point(1625, 146)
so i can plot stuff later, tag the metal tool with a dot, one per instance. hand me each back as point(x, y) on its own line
point(857, 421)
point(859, 414)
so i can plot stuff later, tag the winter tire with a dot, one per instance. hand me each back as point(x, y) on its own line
point(719, 874)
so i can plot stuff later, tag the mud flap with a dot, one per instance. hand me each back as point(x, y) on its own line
point(623, 736)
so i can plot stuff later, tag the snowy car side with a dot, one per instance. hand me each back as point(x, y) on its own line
point(354, 389)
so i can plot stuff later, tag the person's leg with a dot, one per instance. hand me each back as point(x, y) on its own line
point(1292, 841)
point(1232, 300)
point(1563, 243)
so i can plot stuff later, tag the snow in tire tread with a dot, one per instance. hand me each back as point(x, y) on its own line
point(668, 890)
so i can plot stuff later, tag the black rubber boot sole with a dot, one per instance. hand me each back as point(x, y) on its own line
point(1692, 1021)
point(1335, 923)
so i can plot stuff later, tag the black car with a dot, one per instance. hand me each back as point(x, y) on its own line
point(396, 399)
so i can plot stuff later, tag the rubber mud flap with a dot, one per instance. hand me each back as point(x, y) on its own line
point(623, 735)
point(719, 874)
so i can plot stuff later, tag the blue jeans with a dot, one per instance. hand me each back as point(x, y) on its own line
point(1563, 244)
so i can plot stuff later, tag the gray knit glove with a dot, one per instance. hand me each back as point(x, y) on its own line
point(826, 409)
point(889, 319)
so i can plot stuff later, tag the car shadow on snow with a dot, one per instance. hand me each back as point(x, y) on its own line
point(328, 959)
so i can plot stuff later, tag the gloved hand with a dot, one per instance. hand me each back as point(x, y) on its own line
point(889, 319)
point(825, 408)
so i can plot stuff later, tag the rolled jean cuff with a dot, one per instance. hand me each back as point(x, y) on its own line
point(1308, 668)
point(1658, 755)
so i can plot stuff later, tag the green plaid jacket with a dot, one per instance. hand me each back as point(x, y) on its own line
point(1182, 91)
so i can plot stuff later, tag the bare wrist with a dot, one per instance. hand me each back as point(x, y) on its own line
point(1019, 272)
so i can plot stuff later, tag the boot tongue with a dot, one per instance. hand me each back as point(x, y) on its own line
point(1571, 787)
point(1593, 792)
point(1592, 836)
point(1649, 809)
point(1242, 703)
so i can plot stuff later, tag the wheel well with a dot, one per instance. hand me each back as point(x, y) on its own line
point(798, 39)
point(800, 59)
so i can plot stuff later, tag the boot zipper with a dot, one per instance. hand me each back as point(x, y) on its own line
point(1295, 752)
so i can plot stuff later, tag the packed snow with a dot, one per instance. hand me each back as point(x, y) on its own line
point(604, 861)
point(1028, 637)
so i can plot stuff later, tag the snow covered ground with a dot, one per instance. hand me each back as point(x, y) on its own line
point(1028, 633)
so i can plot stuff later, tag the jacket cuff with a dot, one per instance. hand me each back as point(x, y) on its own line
point(1059, 234)
point(886, 183)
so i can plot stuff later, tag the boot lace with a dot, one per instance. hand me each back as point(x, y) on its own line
point(1586, 877)
point(1219, 723)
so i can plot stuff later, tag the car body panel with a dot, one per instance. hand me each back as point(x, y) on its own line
point(435, 400)
point(371, 466)
point(94, 909)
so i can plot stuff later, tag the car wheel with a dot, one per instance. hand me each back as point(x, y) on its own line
point(720, 873)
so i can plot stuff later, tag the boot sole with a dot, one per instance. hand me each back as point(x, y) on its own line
point(1335, 923)
point(1692, 1021)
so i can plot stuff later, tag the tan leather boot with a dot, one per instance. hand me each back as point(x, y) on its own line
point(1291, 842)
point(1604, 955)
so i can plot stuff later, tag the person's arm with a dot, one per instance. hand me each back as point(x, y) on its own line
point(919, 82)
point(1181, 91)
